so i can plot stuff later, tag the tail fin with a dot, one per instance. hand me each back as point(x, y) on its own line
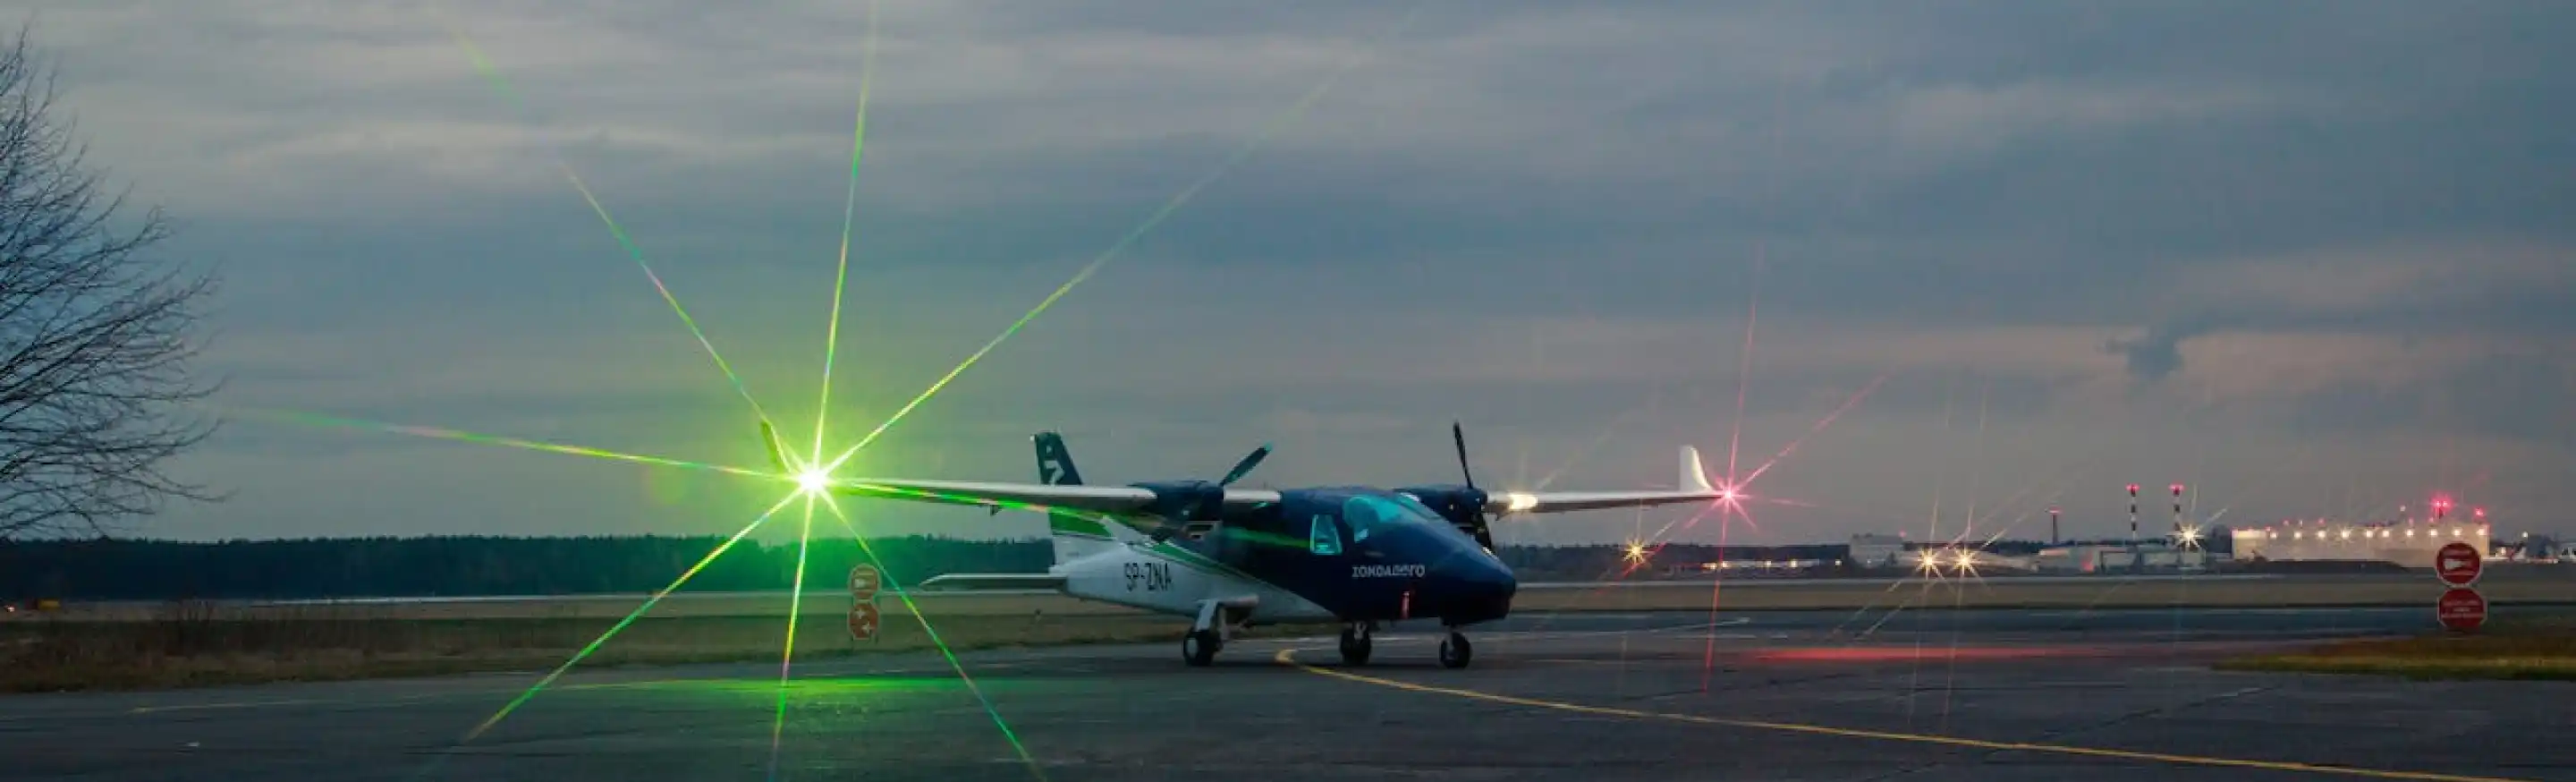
point(1074, 536)
point(1055, 464)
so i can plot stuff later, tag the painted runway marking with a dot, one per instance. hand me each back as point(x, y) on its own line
point(1288, 657)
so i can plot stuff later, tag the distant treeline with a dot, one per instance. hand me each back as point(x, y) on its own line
point(468, 566)
point(472, 566)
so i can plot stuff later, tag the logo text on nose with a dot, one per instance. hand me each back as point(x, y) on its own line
point(1388, 571)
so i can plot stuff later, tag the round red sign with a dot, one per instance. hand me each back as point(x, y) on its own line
point(2461, 610)
point(863, 582)
point(863, 621)
point(2459, 564)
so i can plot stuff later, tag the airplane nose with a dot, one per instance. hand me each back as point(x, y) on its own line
point(1479, 589)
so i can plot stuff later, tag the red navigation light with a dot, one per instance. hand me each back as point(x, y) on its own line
point(2133, 490)
point(2177, 488)
point(2478, 512)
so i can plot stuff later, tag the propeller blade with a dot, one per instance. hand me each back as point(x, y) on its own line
point(1458, 434)
point(1484, 529)
point(1244, 467)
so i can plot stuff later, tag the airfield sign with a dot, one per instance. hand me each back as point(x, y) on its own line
point(2461, 610)
point(864, 580)
point(863, 621)
point(2459, 564)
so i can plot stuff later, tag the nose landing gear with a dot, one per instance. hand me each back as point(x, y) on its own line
point(1455, 652)
point(1355, 642)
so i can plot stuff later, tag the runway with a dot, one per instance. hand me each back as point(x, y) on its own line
point(1821, 695)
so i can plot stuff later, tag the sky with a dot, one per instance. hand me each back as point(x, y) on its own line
point(2309, 258)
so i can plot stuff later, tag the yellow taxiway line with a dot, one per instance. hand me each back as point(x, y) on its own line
point(1288, 657)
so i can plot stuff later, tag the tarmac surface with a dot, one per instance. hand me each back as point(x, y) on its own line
point(2051, 695)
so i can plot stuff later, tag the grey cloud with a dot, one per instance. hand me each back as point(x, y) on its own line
point(2044, 194)
point(2510, 294)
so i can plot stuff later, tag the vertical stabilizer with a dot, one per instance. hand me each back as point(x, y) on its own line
point(1075, 535)
point(1055, 464)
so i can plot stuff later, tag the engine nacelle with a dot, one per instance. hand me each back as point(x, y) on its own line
point(1186, 501)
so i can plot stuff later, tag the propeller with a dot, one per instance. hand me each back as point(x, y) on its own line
point(1244, 467)
point(1209, 503)
point(1484, 530)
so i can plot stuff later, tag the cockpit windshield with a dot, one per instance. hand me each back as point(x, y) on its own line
point(1369, 512)
point(1414, 504)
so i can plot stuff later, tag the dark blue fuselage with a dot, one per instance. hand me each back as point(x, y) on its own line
point(1364, 554)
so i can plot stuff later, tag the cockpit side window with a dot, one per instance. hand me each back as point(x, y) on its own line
point(1323, 538)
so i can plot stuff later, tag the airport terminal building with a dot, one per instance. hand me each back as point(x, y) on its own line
point(2410, 543)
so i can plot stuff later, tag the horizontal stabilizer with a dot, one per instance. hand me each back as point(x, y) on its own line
point(989, 582)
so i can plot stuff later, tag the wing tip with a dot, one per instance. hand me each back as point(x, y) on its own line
point(1694, 475)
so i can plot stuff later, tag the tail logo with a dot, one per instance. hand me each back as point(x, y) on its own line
point(1055, 464)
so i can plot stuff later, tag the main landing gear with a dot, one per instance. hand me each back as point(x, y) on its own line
point(1200, 646)
point(1217, 621)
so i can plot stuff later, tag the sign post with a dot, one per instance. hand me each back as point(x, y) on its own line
point(2461, 609)
point(864, 580)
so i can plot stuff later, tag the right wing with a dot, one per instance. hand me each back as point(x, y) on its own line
point(1694, 487)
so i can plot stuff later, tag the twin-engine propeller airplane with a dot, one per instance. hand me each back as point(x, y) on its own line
point(1230, 558)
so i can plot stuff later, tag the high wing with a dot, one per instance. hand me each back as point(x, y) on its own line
point(1693, 487)
point(1116, 500)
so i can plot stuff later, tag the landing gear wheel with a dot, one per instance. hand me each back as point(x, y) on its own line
point(1455, 651)
point(1199, 647)
point(1355, 646)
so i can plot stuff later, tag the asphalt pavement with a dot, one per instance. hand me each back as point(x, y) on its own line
point(1825, 695)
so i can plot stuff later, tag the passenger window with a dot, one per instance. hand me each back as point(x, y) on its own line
point(1323, 538)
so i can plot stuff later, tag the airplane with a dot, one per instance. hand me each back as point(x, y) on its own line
point(1229, 558)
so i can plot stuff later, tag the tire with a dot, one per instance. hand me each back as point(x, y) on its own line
point(1355, 648)
point(1199, 648)
point(1455, 652)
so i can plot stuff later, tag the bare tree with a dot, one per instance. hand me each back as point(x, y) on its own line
point(95, 335)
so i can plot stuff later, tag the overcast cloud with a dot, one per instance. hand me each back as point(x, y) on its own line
point(2311, 256)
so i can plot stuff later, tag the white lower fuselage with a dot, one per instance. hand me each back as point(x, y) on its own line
point(1160, 578)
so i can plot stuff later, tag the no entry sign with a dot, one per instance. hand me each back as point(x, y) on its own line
point(2459, 564)
point(2461, 610)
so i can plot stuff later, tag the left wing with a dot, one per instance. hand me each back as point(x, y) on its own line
point(1694, 487)
point(1115, 500)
